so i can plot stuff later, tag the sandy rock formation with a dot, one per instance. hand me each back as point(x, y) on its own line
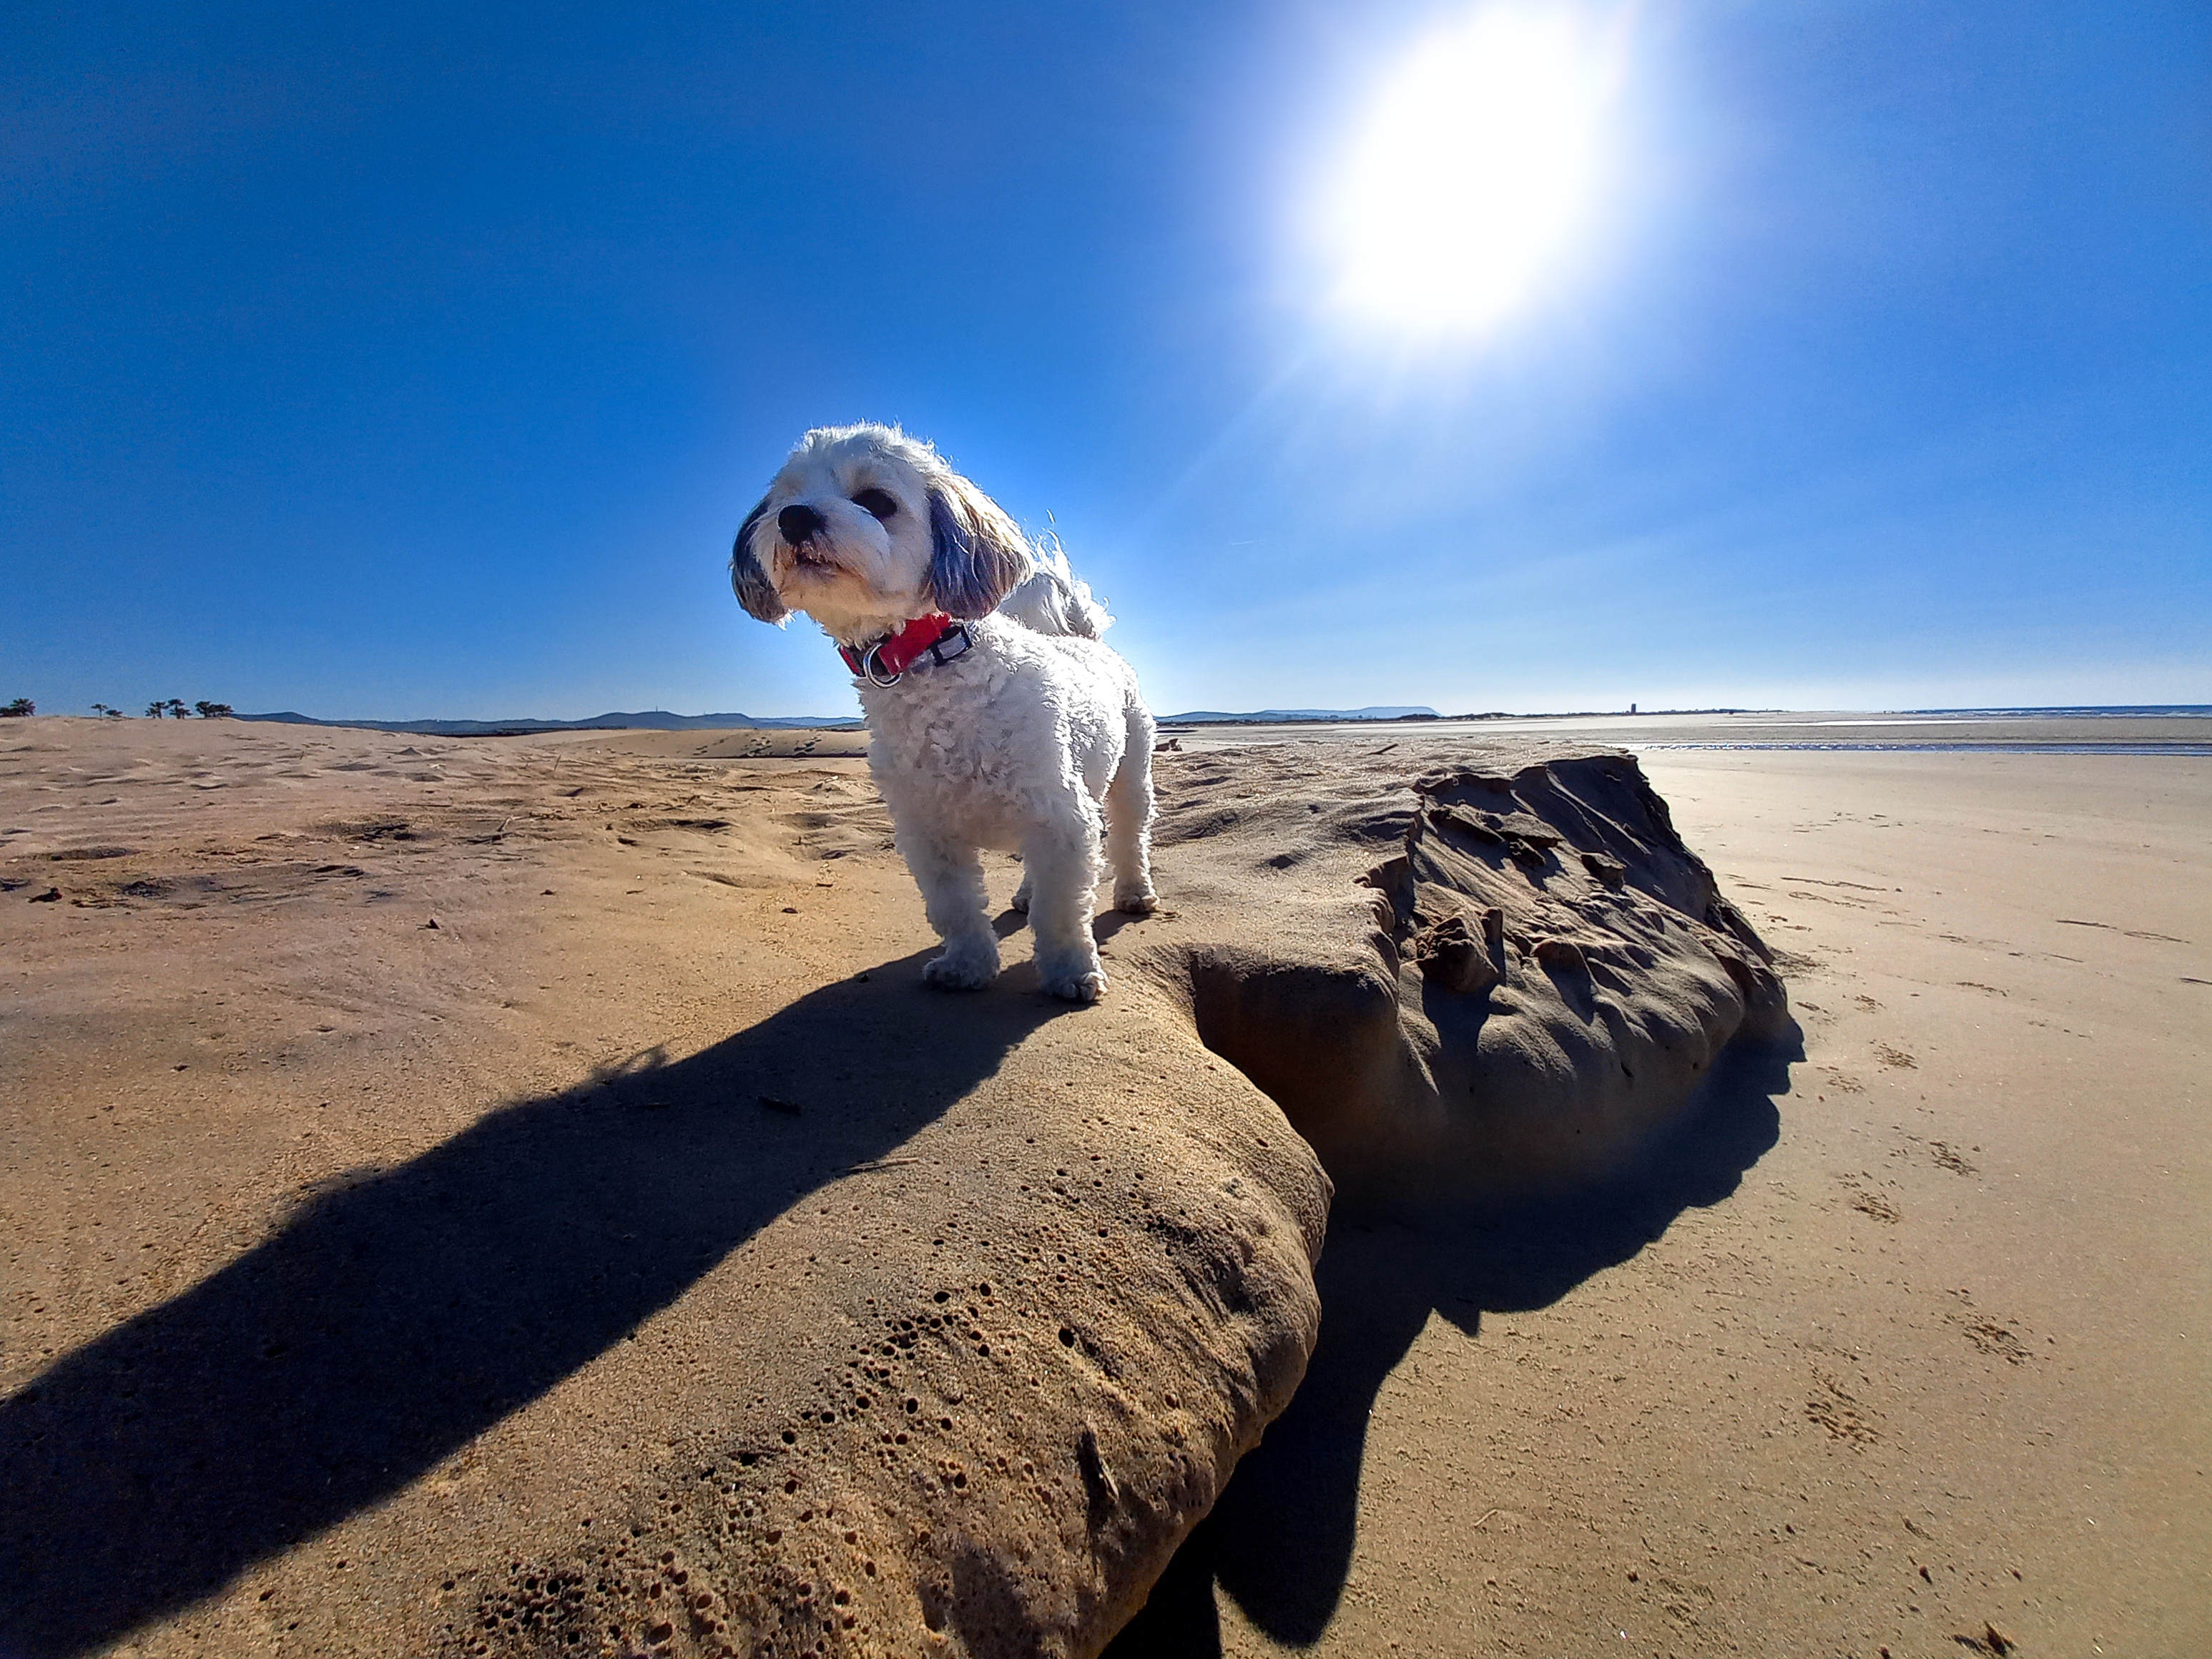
point(963, 1394)
point(841, 1316)
point(1454, 978)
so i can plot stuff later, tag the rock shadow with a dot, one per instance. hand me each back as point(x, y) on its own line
point(396, 1316)
point(1279, 1541)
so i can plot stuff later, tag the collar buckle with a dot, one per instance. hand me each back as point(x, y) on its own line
point(872, 666)
point(885, 662)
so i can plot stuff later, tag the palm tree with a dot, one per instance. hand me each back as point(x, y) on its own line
point(156, 709)
point(213, 711)
point(18, 709)
point(102, 709)
point(176, 708)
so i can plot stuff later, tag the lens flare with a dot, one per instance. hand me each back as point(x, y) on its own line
point(1472, 169)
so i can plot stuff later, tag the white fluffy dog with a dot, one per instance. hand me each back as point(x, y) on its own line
point(997, 718)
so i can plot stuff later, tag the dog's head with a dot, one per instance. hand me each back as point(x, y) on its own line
point(865, 528)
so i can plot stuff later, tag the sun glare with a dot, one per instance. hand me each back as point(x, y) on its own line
point(1467, 179)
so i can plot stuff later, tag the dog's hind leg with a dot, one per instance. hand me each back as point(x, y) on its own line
point(1063, 874)
point(1129, 821)
point(950, 877)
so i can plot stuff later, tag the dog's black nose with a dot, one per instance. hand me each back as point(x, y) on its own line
point(799, 525)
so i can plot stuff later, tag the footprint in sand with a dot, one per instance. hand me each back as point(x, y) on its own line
point(1994, 1339)
point(1991, 1336)
point(1870, 1203)
point(1950, 1158)
point(1838, 1411)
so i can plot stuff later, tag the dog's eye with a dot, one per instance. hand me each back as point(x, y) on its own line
point(878, 502)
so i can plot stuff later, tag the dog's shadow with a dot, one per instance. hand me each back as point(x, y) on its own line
point(1279, 1541)
point(395, 1316)
point(1104, 924)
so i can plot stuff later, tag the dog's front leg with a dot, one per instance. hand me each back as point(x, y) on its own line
point(1062, 874)
point(950, 877)
point(1129, 821)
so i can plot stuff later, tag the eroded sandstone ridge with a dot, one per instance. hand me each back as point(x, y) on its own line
point(484, 1198)
point(1454, 977)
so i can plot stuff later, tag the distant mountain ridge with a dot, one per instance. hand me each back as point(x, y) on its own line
point(660, 719)
point(651, 720)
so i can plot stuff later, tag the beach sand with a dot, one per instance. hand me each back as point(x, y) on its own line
point(1931, 1296)
point(1922, 1347)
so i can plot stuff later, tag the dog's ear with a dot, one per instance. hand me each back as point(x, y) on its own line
point(749, 581)
point(976, 555)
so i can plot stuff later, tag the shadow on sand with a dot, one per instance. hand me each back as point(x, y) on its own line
point(394, 1318)
point(1279, 1542)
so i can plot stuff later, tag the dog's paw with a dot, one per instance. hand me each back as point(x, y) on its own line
point(1136, 901)
point(1082, 986)
point(960, 969)
point(1021, 898)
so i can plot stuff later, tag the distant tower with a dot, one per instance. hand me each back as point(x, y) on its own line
point(1632, 709)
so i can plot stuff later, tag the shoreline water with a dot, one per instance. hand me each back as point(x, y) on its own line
point(2025, 731)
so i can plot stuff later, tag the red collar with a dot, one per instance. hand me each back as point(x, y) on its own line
point(937, 636)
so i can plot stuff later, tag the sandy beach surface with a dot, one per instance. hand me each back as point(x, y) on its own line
point(1916, 1349)
point(1896, 1342)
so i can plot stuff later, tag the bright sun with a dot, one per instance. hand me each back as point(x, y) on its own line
point(1471, 169)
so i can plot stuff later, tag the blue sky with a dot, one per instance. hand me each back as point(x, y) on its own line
point(421, 361)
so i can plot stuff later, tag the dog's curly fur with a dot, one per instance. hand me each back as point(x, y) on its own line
point(1029, 742)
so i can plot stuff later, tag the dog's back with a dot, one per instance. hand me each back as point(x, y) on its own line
point(1051, 600)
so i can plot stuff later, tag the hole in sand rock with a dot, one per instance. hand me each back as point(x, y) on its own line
point(1066, 1337)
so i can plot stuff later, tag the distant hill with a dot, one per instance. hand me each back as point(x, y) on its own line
point(1269, 716)
point(652, 719)
point(660, 719)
